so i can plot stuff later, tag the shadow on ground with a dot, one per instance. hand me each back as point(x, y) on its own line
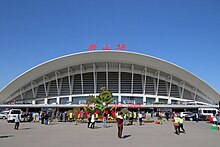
point(25, 128)
point(126, 136)
point(6, 136)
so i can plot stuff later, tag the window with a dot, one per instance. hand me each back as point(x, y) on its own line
point(52, 101)
point(64, 100)
point(150, 100)
point(165, 101)
point(15, 112)
point(79, 100)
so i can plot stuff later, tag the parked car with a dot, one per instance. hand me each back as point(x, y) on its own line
point(4, 115)
point(12, 114)
point(192, 117)
point(183, 114)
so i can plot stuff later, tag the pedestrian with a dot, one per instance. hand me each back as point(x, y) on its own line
point(93, 121)
point(120, 124)
point(17, 121)
point(215, 122)
point(181, 124)
point(131, 118)
point(70, 117)
point(64, 115)
point(46, 118)
point(140, 118)
point(135, 116)
point(96, 116)
point(42, 117)
point(89, 120)
point(167, 116)
point(197, 117)
point(176, 124)
point(218, 118)
point(104, 120)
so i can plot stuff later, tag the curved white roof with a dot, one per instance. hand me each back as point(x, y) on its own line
point(108, 56)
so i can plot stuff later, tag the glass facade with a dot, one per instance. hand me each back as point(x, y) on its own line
point(52, 101)
point(131, 100)
point(164, 101)
point(39, 102)
point(150, 100)
point(79, 100)
point(64, 100)
point(174, 101)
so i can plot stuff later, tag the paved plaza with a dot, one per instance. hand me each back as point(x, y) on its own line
point(68, 134)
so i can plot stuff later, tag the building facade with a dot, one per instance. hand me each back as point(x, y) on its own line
point(133, 78)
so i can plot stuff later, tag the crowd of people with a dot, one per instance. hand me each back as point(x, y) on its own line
point(120, 118)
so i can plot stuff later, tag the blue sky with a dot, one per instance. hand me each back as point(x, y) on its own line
point(184, 32)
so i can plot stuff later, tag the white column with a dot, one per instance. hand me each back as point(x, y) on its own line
point(33, 102)
point(158, 80)
point(60, 86)
point(32, 87)
point(119, 79)
point(144, 100)
point(58, 100)
point(45, 101)
point(119, 99)
point(169, 101)
point(45, 87)
point(132, 78)
point(81, 70)
point(170, 86)
point(94, 78)
point(106, 75)
point(70, 98)
point(183, 88)
point(48, 88)
point(145, 80)
point(57, 83)
point(69, 80)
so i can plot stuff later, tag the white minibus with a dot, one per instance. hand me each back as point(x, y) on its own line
point(208, 111)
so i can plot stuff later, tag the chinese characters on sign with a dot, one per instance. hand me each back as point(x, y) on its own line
point(93, 47)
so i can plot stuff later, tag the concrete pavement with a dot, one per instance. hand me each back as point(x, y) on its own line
point(67, 134)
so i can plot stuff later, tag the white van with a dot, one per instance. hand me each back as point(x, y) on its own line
point(208, 111)
point(12, 114)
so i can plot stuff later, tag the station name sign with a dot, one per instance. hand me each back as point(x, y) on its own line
point(93, 47)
